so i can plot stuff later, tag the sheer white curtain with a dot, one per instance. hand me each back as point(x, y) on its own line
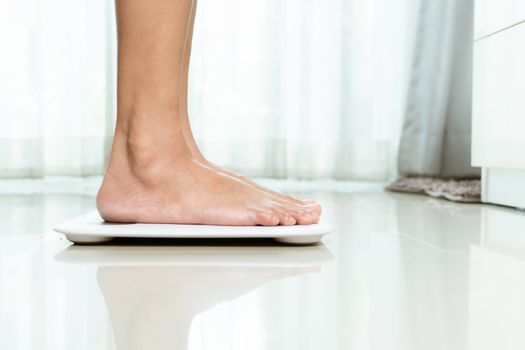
point(436, 133)
point(54, 84)
point(293, 88)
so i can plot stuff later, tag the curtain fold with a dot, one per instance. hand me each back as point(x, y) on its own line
point(289, 89)
point(436, 132)
point(53, 91)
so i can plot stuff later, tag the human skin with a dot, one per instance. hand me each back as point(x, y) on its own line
point(156, 173)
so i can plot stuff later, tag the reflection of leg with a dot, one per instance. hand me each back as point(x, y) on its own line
point(153, 307)
point(147, 310)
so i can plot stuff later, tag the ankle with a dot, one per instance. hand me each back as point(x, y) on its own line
point(147, 152)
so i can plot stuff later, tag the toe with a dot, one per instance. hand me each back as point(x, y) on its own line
point(310, 206)
point(288, 220)
point(285, 217)
point(307, 218)
point(315, 217)
point(302, 216)
point(267, 218)
point(315, 207)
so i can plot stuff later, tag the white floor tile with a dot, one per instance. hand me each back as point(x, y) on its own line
point(401, 272)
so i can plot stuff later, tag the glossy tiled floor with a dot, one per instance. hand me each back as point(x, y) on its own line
point(400, 272)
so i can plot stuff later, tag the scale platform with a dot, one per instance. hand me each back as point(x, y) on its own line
point(90, 228)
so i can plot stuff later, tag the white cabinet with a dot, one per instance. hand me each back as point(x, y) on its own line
point(498, 126)
point(499, 100)
point(494, 15)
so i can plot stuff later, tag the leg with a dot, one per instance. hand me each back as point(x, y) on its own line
point(192, 144)
point(152, 176)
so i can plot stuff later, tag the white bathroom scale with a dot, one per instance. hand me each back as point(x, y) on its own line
point(90, 228)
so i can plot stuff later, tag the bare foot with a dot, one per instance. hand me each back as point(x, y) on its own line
point(152, 176)
point(144, 183)
point(199, 157)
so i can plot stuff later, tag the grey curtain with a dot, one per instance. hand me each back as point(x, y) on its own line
point(436, 132)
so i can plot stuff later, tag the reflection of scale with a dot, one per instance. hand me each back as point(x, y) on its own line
point(234, 255)
point(91, 228)
point(154, 294)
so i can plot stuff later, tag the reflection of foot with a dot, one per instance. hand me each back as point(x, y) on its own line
point(153, 307)
point(146, 184)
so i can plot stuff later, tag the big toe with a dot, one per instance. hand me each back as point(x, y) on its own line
point(315, 207)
